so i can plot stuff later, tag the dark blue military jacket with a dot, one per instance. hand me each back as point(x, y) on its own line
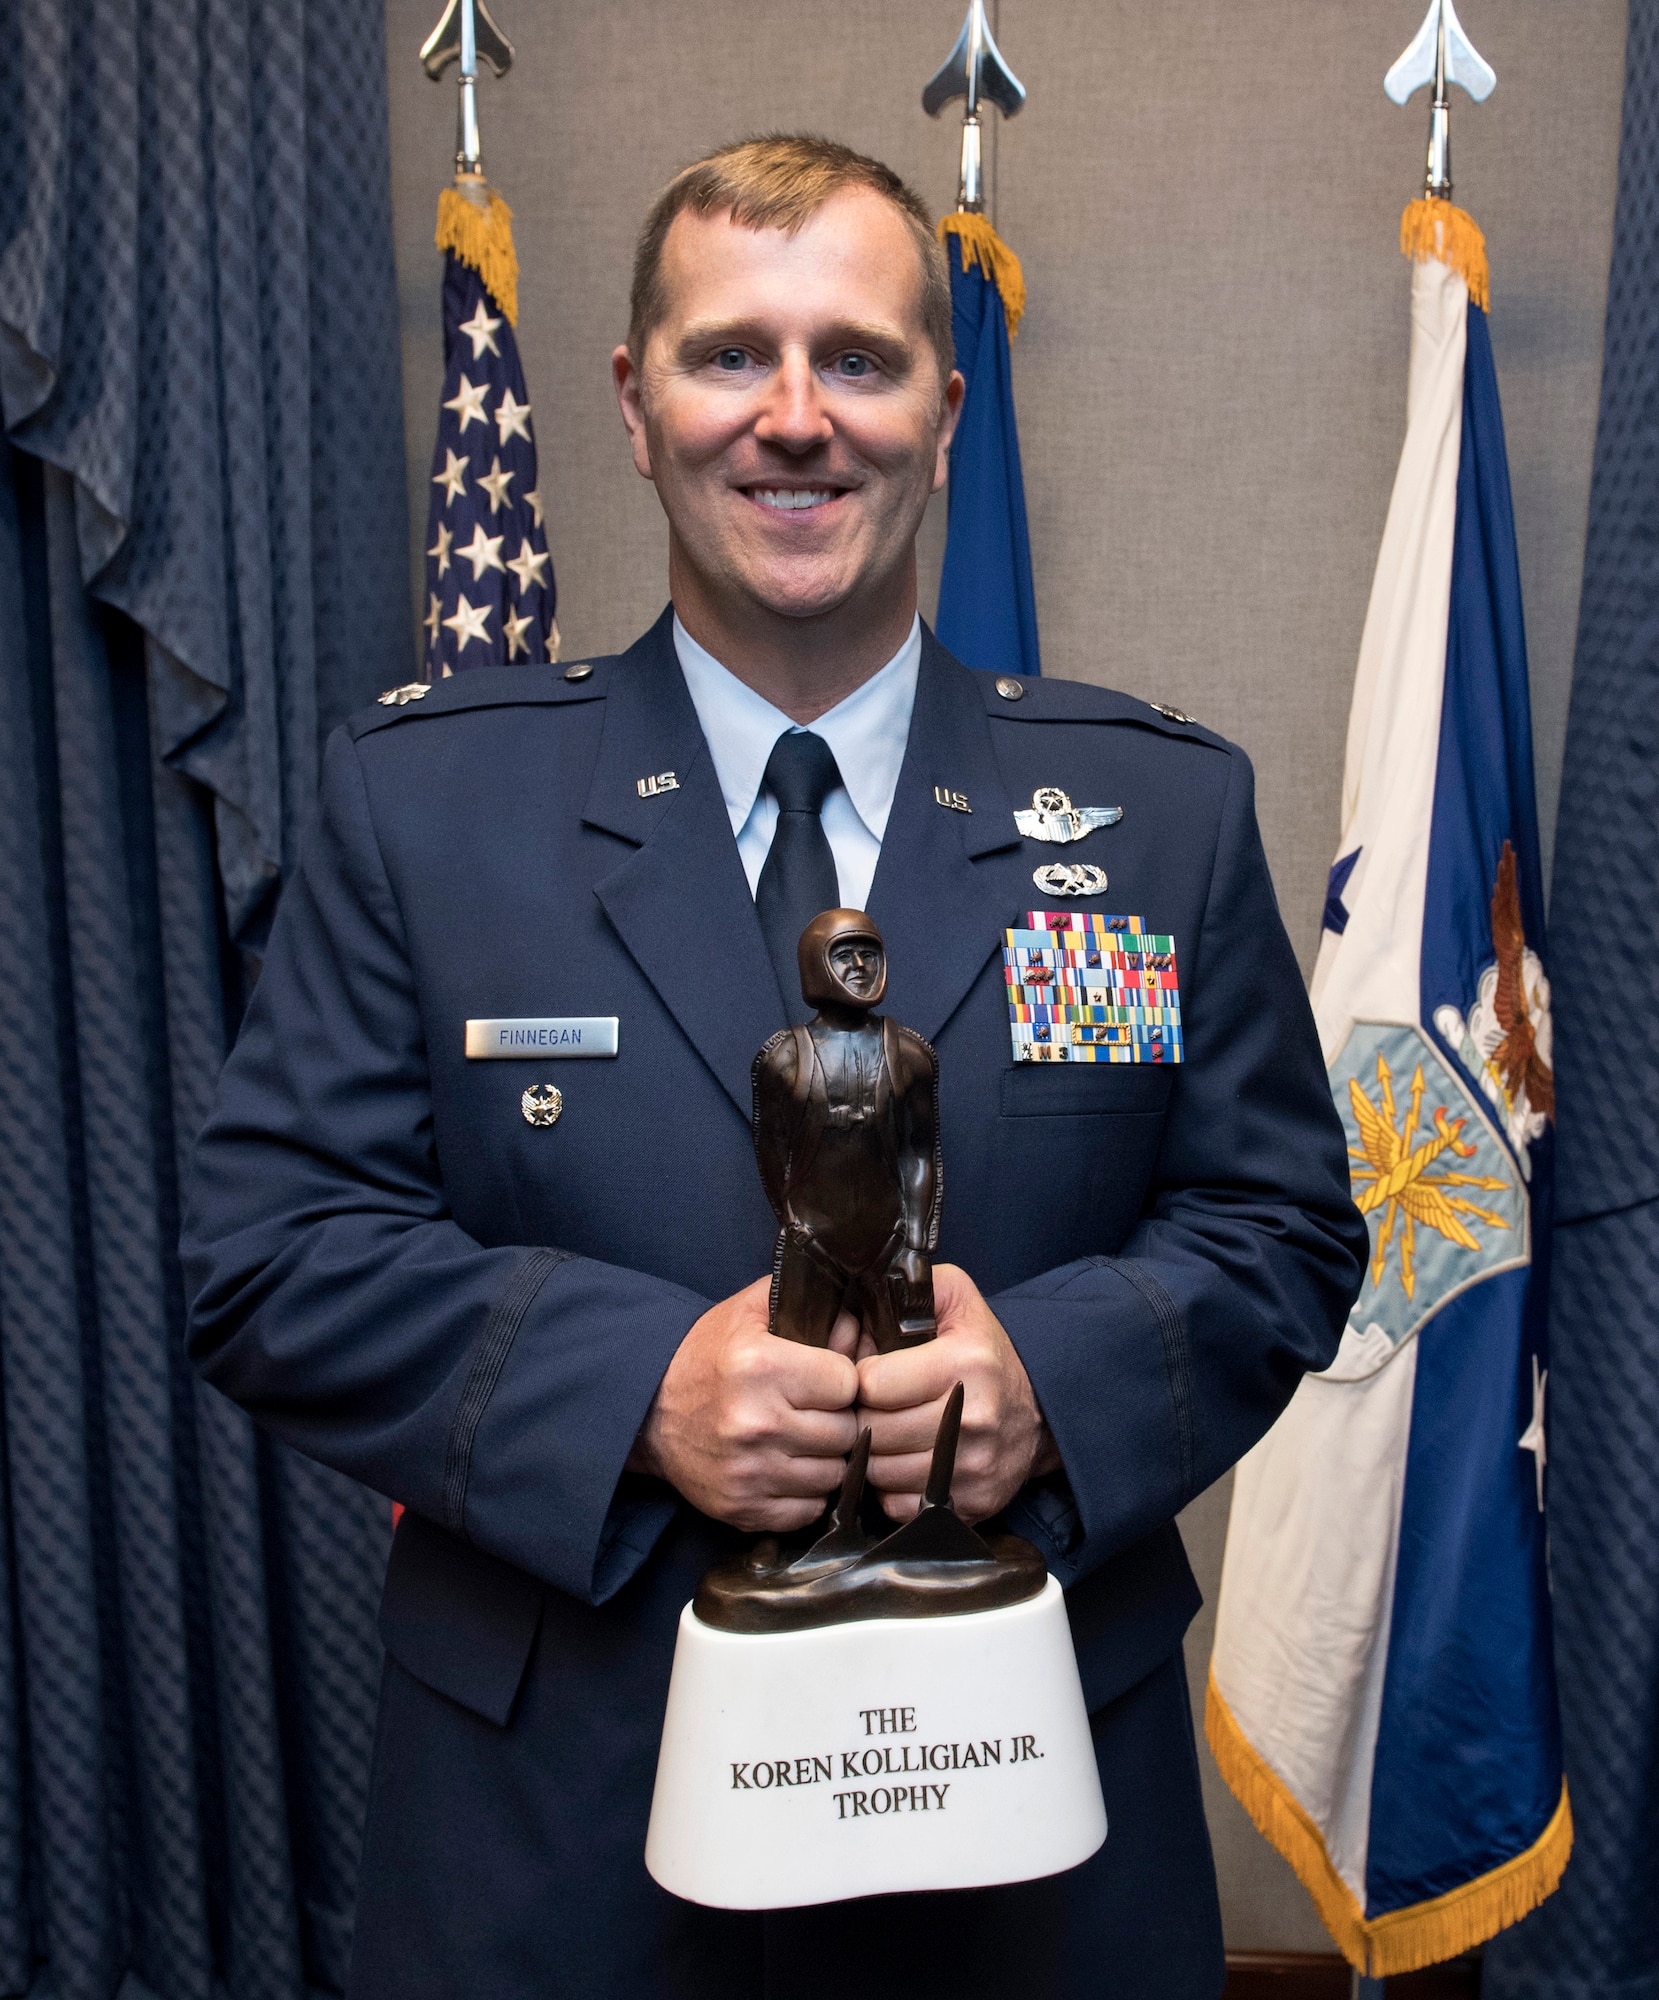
point(397, 1273)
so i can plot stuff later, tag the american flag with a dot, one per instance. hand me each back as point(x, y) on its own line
point(490, 595)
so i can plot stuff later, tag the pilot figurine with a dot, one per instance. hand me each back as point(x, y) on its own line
point(847, 1135)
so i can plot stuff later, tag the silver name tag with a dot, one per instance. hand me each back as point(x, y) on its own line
point(530, 1041)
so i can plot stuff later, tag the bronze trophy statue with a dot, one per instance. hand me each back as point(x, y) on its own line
point(846, 1125)
point(846, 1129)
point(842, 1706)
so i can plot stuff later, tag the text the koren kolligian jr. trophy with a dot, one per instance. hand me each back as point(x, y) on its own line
point(868, 1712)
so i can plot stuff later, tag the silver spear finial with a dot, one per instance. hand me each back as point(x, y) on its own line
point(463, 34)
point(1441, 54)
point(973, 70)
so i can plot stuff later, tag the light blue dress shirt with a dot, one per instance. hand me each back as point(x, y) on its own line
point(867, 732)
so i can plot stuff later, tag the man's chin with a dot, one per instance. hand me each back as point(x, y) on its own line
point(800, 588)
point(816, 589)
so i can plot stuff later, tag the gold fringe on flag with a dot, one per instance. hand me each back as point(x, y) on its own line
point(483, 239)
point(1402, 1940)
point(1433, 228)
point(981, 245)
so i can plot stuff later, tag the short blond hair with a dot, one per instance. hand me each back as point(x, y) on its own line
point(780, 181)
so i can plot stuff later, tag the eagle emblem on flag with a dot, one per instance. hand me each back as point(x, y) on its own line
point(1505, 1042)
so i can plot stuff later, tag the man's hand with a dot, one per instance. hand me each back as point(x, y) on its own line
point(902, 1397)
point(751, 1429)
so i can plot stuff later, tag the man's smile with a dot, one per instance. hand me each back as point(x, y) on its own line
point(793, 499)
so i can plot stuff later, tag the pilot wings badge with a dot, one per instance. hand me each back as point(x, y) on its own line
point(1052, 816)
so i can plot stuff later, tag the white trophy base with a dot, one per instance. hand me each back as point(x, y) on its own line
point(869, 1758)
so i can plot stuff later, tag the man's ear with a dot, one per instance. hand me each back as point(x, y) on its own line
point(955, 389)
point(630, 397)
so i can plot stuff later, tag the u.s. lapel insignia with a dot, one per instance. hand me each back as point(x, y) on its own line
point(1076, 878)
point(1052, 816)
point(651, 788)
point(956, 802)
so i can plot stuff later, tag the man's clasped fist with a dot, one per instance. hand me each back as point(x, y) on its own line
point(755, 1431)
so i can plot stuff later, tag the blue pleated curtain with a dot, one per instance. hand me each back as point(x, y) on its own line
point(202, 566)
point(1597, 1938)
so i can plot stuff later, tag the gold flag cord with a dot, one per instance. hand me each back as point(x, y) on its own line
point(1432, 228)
point(981, 245)
point(1399, 1941)
point(483, 239)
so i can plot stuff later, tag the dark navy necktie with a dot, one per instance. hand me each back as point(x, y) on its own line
point(799, 878)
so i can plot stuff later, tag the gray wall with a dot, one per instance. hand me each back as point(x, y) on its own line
point(1211, 373)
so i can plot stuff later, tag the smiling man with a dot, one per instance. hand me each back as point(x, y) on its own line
point(528, 1299)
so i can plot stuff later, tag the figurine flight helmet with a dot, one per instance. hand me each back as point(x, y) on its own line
point(822, 984)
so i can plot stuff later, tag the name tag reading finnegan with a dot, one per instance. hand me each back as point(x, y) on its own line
point(534, 1040)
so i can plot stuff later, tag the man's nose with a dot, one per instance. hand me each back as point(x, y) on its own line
point(793, 415)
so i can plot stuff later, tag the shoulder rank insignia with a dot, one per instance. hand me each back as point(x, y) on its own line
point(1171, 714)
point(401, 697)
point(1052, 816)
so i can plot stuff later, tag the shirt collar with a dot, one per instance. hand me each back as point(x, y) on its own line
point(867, 732)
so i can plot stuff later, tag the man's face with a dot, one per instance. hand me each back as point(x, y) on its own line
point(857, 963)
point(789, 407)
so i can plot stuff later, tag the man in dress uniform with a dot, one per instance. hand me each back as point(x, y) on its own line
point(528, 1298)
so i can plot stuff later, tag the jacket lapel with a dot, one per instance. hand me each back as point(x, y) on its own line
point(680, 902)
point(939, 917)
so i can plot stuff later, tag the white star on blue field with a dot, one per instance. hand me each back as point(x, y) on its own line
point(490, 593)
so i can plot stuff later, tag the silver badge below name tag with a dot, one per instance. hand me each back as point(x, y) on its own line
point(530, 1040)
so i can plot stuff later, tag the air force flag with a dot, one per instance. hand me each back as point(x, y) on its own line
point(1382, 1695)
point(987, 608)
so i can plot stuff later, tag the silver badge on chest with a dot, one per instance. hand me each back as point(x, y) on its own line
point(542, 1103)
point(1076, 878)
point(1052, 816)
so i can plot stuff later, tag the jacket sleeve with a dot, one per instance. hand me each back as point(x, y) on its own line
point(1160, 1367)
point(495, 1391)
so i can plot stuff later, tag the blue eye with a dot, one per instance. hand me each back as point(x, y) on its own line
point(855, 365)
point(731, 359)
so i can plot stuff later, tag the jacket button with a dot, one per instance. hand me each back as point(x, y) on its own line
point(579, 672)
point(1009, 688)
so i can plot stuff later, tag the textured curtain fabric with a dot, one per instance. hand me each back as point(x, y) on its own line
point(1598, 1936)
point(202, 565)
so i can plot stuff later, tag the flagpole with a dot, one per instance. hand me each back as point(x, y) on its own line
point(1437, 180)
point(987, 611)
point(1433, 226)
point(974, 71)
point(465, 32)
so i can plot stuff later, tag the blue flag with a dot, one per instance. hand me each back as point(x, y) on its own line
point(1382, 1693)
point(490, 594)
point(987, 610)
